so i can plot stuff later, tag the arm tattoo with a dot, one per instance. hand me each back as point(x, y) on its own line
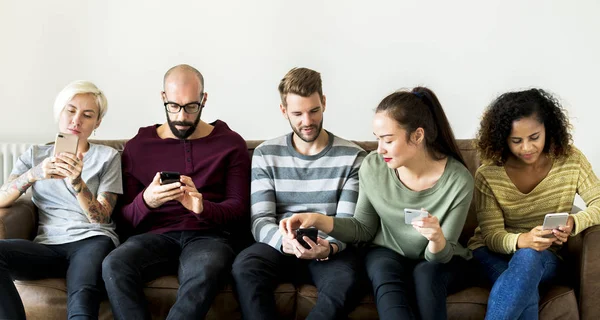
point(37, 172)
point(76, 183)
point(97, 210)
point(17, 183)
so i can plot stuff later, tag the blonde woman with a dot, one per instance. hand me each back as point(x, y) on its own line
point(75, 195)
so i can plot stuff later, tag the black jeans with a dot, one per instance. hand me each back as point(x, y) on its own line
point(400, 283)
point(201, 260)
point(80, 262)
point(260, 268)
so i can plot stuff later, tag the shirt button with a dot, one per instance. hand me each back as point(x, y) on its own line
point(189, 160)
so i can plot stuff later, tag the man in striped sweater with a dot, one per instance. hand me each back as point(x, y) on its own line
point(308, 170)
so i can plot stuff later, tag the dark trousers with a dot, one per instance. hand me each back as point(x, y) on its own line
point(260, 268)
point(202, 262)
point(80, 262)
point(400, 284)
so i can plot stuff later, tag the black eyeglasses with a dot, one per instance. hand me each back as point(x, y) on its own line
point(192, 107)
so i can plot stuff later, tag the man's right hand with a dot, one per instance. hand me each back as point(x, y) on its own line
point(286, 245)
point(156, 194)
point(537, 239)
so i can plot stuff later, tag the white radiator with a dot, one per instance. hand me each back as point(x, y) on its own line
point(9, 152)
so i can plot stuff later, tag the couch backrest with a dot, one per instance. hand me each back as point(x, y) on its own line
point(466, 146)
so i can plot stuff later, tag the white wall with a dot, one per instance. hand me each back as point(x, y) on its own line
point(467, 51)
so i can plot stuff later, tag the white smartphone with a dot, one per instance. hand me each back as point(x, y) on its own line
point(65, 142)
point(554, 220)
point(414, 214)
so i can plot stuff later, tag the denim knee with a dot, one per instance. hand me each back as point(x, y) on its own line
point(528, 257)
point(112, 265)
point(253, 258)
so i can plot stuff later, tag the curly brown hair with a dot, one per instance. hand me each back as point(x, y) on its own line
point(498, 118)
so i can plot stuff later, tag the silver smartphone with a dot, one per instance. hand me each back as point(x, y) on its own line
point(65, 142)
point(553, 221)
point(414, 214)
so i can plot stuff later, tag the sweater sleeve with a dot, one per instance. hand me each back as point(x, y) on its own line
point(454, 220)
point(263, 211)
point(235, 205)
point(588, 187)
point(491, 219)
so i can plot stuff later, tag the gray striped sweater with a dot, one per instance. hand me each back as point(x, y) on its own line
point(285, 182)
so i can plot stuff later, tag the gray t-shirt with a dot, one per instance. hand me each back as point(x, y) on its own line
point(61, 219)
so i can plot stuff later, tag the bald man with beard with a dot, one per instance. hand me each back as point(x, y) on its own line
point(178, 226)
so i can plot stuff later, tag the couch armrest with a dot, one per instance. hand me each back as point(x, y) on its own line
point(19, 220)
point(589, 280)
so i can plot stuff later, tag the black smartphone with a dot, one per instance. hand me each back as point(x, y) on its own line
point(167, 177)
point(311, 233)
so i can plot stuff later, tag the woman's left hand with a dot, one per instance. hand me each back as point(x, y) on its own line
point(429, 228)
point(70, 166)
point(563, 232)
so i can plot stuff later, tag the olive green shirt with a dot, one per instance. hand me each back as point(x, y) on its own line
point(382, 198)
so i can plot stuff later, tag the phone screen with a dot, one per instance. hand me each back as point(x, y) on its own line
point(311, 233)
point(167, 177)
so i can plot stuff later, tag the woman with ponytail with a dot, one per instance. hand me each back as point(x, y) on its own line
point(417, 165)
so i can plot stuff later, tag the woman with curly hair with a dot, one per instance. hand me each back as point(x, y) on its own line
point(530, 169)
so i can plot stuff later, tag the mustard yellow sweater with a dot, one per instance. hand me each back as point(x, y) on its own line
point(504, 212)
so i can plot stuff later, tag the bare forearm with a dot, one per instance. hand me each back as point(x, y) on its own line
point(96, 210)
point(437, 246)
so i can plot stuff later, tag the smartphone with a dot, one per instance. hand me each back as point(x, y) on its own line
point(65, 142)
point(414, 214)
point(311, 233)
point(167, 177)
point(553, 221)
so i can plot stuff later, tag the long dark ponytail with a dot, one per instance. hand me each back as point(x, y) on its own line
point(420, 107)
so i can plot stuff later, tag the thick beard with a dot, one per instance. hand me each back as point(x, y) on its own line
point(183, 134)
point(298, 132)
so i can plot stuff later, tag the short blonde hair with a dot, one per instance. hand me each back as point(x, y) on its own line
point(80, 87)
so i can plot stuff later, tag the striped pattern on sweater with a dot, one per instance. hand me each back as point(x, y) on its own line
point(504, 212)
point(285, 182)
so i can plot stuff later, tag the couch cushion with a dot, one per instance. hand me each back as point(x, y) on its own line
point(557, 302)
point(47, 299)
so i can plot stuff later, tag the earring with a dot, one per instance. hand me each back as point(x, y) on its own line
point(94, 132)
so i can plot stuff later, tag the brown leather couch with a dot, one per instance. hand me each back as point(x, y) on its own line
point(576, 298)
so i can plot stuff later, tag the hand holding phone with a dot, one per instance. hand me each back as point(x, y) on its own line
point(63, 143)
point(414, 214)
point(167, 177)
point(311, 233)
point(554, 221)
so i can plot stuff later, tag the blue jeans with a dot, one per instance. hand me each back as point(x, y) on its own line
point(260, 268)
point(80, 262)
point(201, 260)
point(401, 285)
point(515, 280)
